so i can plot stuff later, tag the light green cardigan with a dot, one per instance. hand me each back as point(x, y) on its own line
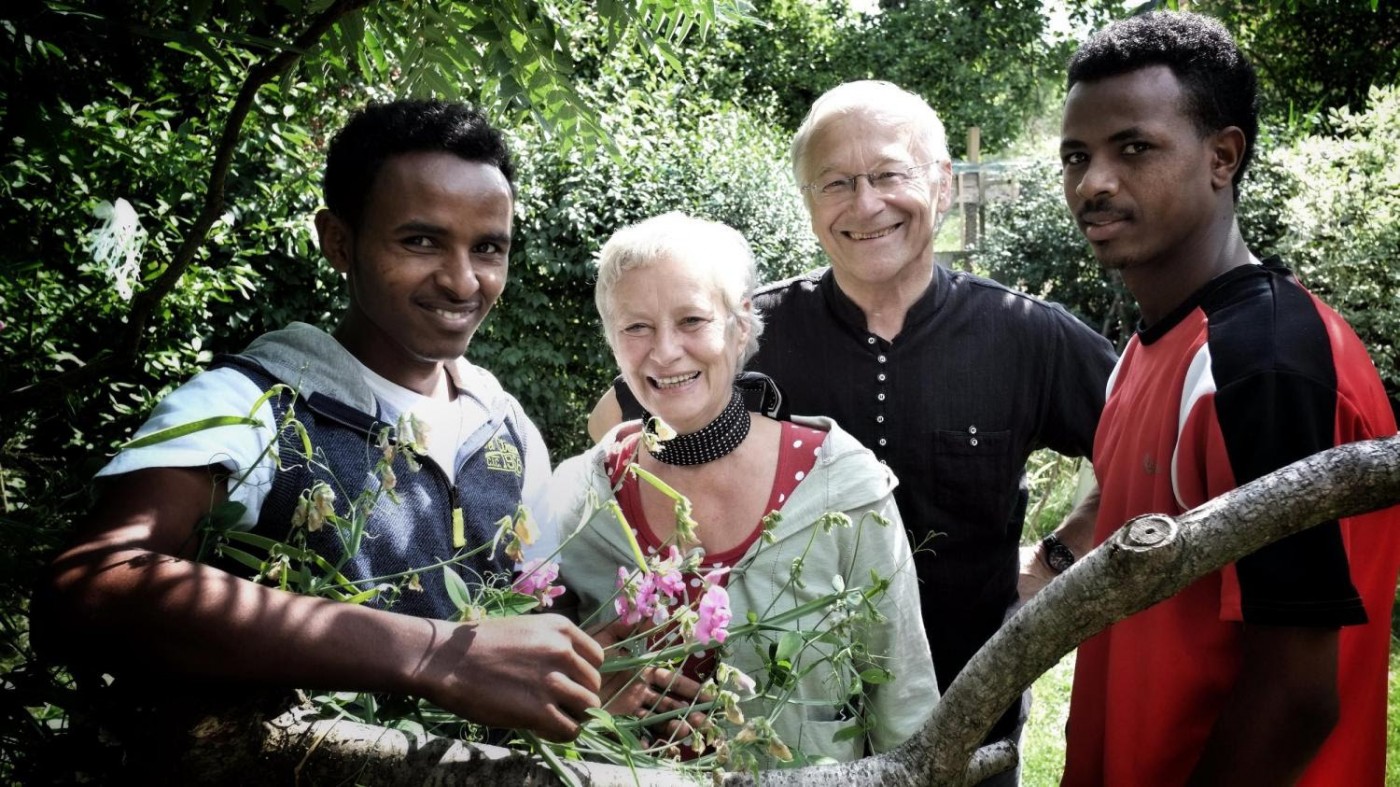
point(846, 478)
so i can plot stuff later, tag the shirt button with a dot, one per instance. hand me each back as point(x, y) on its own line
point(879, 419)
point(972, 430)
point(882, 441)
point(870, 340)
point(883, 462)
point(880, 377)
point(882, 359)
point(881, 397)
point(972, 442)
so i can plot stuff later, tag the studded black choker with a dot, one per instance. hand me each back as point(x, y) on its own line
point(715, 440)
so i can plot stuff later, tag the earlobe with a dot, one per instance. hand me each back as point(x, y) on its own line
point(945, 186)
point(745, 327)
point(1227, 152)
point(335, 240)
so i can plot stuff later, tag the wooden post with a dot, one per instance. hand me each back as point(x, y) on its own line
point(970, 191)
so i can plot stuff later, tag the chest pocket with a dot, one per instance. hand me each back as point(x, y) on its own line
point(974, 479)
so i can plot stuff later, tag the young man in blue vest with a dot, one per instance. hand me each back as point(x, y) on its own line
point(419, 207)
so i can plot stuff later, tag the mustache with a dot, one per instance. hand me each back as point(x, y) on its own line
point(1099, 210)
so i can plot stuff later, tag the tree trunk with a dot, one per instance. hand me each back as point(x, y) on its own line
point(1149, 559)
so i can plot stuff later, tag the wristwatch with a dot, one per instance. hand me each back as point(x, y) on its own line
point(1055, 554)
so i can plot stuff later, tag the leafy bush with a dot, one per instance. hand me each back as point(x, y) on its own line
point(1030, 242)
point(990, 65)
point(1343, 235)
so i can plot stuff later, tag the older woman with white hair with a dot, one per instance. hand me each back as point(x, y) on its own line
point(674, 294)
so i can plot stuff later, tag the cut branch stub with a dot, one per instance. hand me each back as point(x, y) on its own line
point(1148, 532)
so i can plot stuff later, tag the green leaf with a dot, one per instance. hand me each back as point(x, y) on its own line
point(243, 557)
point(190, 428)
point(512, 603)
point(225, 515)
point(457, 589)
point(848, 733)
point(789, 645)
point(876, 676)
point(268, 394)
point(363, 596)
point(306, 448)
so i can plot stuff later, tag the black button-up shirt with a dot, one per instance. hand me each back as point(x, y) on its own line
point(978, 378)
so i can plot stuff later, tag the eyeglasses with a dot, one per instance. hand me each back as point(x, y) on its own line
point(834, 189)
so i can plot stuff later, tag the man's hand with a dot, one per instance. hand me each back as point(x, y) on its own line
point(1034, 573)
point(534, 672)
point(1076, 531)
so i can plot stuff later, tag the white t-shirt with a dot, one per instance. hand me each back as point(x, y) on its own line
point(244, 450)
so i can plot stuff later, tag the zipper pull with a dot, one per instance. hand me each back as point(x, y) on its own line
point(459, 534)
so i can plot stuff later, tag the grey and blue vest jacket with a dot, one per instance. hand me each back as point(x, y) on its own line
point(345, 424)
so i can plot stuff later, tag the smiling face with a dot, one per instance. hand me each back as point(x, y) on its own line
point(875, 241)
point(425, 266)
point(1144, 185)
point(674, 341)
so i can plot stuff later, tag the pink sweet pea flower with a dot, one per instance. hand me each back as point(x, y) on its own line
point(537, 579)
point(712, 627)
point(638, 598)
point(669, 581)
point(625, 602)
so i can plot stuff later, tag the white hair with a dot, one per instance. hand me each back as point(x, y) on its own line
point(871, 97)
point(726, 254)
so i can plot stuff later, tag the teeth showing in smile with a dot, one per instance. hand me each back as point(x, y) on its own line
point(450, 315)
point(871, 235)
point(672, 382)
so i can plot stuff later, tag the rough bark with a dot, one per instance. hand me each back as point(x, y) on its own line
point(1148, 560)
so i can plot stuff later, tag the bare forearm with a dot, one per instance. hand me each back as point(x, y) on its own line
point(536, 672)
point(1076, 532)
point(163, 612)
point(121, 583)
point(1279, 712)
point(1077, 528)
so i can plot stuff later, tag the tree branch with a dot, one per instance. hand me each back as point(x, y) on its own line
point(146, 303)
point(1149, 559)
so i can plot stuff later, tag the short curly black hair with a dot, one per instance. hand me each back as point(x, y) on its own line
point(380, 131)
point(1220, 85)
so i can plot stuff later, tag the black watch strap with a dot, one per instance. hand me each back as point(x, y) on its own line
point(1055, 554)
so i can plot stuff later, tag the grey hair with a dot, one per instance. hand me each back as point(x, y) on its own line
point(872, 97)
point(723, 250)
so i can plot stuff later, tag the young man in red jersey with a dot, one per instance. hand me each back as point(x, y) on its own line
point(1272, 670)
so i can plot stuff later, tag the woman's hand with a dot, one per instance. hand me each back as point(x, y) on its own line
point(648, 691)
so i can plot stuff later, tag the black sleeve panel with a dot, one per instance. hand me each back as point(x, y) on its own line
point(1276, 402)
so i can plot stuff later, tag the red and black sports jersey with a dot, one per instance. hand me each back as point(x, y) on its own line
point(1250, 374)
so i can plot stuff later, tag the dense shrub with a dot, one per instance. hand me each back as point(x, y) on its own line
point(1343, 234)
point(1030, 242)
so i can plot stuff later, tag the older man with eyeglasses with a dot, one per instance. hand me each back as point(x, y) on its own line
point(951, 379)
